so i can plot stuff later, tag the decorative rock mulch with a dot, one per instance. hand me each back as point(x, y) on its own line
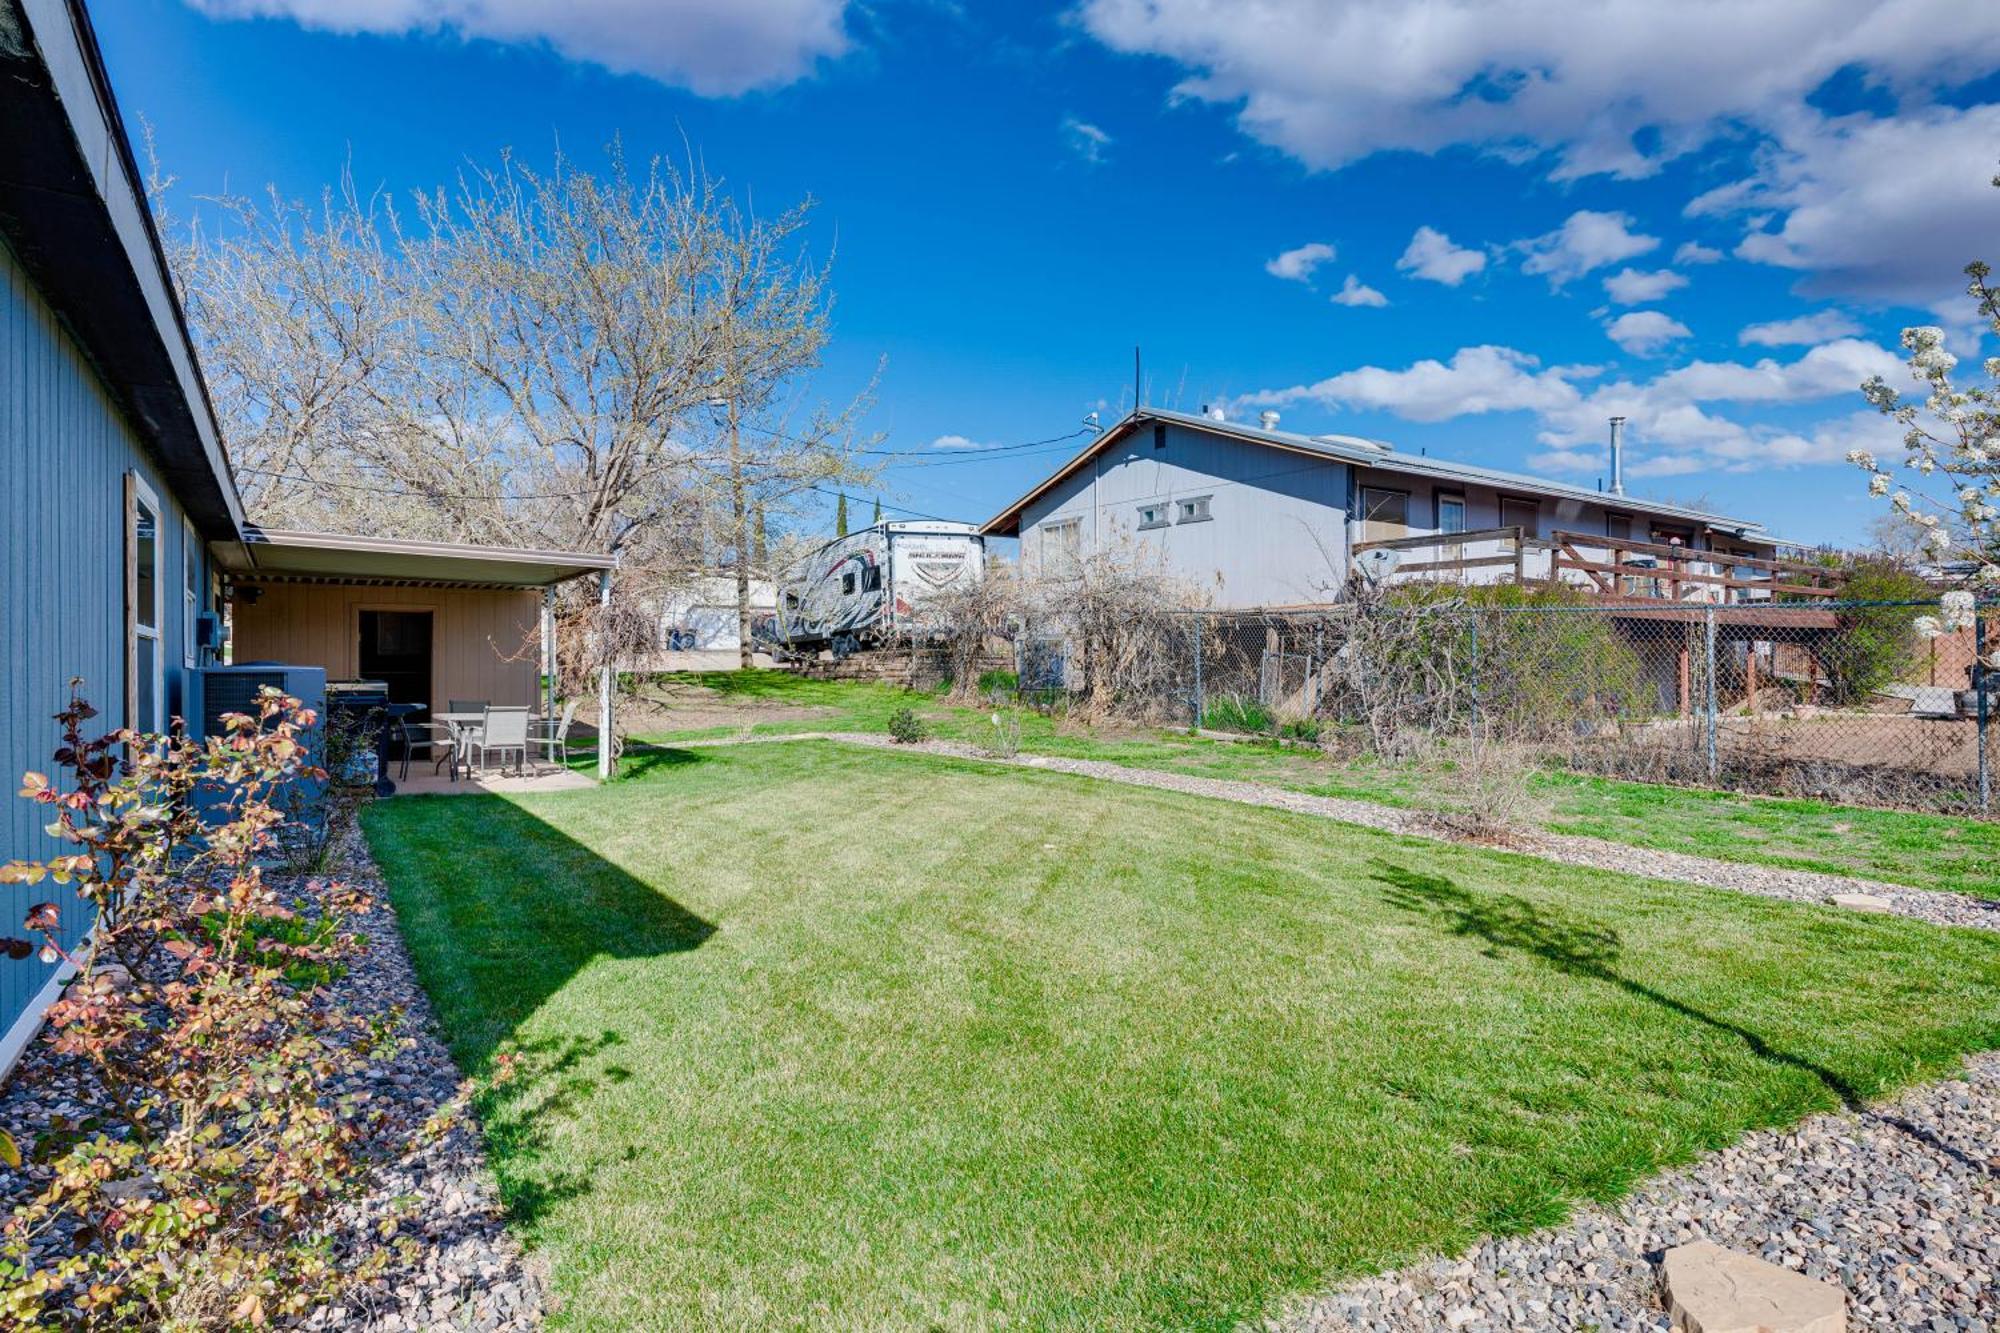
point(455, 1266)
point(1935, 906)
point(1898, 1205)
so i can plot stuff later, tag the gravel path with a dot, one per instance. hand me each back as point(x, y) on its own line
point(1900, 1205)
point(465, 1271)
point(1937, 907)
point(456, 1268)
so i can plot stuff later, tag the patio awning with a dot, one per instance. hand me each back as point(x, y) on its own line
point(277, 555)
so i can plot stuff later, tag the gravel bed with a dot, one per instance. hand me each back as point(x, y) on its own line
point(1935, 906)
point(1899, 1205)
point(454, 1265)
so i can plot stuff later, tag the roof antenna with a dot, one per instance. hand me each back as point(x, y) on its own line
point(1136, 403)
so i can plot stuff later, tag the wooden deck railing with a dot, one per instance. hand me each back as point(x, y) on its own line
point(1679, 569)
point(1612, 567)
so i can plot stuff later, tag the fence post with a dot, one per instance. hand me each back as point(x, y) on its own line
point(1980, 671)
point(1199, 704)
point(1472, 668)
point(1714, 689)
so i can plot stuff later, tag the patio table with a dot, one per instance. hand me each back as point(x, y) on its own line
point(459, 724)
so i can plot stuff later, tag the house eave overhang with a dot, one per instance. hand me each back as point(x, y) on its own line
point(73, 212)
point(267, 555)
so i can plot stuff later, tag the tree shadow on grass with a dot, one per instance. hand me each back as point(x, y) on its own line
point(1507, 923)
point(502, 910)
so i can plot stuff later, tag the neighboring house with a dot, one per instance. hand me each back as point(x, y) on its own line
point(1263, 518)
point(126, 546)
point(702, 615)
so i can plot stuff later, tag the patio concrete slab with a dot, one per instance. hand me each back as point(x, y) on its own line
point(426, 783)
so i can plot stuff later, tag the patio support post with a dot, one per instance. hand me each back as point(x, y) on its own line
point(605, 683)
point(549, 654)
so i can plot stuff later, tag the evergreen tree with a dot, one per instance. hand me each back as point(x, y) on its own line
point(878, 511)
point(840, 516)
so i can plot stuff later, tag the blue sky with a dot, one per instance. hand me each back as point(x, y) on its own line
point(1474, 229)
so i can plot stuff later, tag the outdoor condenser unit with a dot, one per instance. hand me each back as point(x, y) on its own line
point(233, 689)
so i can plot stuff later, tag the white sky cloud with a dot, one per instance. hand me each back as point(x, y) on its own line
point(1477, 379)
point(1432, 256)
point(1694, 252)
point(1673, 424)
point(1355, 292)
point(1332, 81)
point(1631, 286)
point(1586, 240)
point(1084, 139)
point(1297, 265)
point(1645, 332)
point(1806, 330)
point(717, 48)
point(1876, 209)
point(963, 443)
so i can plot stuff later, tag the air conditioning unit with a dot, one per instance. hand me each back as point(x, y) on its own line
point(234, 689)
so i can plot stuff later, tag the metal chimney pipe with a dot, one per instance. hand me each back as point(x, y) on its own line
point(1618, 455)
point(1268, 419)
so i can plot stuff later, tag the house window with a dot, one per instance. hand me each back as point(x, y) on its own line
point(190, 593)
point(1060, 541)
point(1523, 514)
point(1618, 527)
point(1385, 515)
point(1194, 509)
point(1451, 513)
point(144, 681)
point(1159, 434)
point(1152, 516)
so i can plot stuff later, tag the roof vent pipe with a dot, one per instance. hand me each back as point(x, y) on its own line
point(1268, 419)
point(1618, 455)
point(1215, 413)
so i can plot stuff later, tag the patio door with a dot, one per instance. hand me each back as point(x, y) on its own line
point(396, 650)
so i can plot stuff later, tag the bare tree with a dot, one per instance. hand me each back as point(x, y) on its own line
point(577, 359)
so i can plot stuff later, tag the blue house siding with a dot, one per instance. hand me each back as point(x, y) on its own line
point(1276, 531)
point(65, 451)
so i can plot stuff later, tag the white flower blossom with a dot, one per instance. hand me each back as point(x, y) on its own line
point(1928, 627)
point(1957, 606)
point(1878, 484)
point(1989, 573)
point(1861, 458)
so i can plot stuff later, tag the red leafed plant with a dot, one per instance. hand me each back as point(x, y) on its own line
point(201, 1190)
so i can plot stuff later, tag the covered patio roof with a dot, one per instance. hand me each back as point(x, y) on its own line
point(277, 555)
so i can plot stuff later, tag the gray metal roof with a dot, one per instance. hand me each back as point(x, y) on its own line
point(340, 557)
point(1360, 452)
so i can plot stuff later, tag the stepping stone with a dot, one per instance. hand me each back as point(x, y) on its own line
point(1713, 1290)
point(1862, 902)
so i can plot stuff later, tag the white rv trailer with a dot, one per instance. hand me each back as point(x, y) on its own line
point(871, 585)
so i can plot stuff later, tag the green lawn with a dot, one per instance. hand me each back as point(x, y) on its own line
point(1926, 851)
point(816, 1036)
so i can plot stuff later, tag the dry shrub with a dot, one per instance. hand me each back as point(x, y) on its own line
point(963, 623)
point(1126, 631)
point(1483, 788)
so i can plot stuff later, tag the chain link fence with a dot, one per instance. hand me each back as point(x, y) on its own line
point(1842, 701)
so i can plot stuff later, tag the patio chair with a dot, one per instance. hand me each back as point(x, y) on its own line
point(464, 733)
point(554, 736)
point(504, 729)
